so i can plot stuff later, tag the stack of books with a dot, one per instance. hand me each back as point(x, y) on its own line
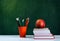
point(42, 33)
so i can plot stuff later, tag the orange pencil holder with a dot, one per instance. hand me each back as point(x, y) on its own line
point(22, 31)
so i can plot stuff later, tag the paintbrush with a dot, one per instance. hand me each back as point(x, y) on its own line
point(27, 21)
point(18, 22)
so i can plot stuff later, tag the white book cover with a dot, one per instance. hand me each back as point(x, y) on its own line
point(42, 34)
point(41, 31)
point(44, 37)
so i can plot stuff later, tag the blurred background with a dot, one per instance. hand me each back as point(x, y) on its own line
point(49, 10)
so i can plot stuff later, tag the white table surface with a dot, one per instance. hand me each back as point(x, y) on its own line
point(28, 38)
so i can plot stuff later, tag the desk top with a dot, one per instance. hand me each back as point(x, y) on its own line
point(28, 38)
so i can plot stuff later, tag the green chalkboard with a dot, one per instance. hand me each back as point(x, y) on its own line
point(49, 10)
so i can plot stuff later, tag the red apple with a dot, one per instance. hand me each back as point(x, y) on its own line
point(40, 23)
